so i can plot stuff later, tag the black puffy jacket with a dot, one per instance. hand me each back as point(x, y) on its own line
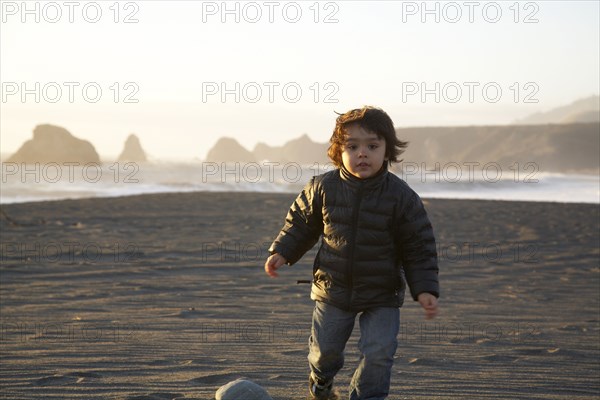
point(375, 236)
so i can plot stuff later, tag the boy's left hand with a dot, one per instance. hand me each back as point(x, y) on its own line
point(429, 304)
point(273, 263)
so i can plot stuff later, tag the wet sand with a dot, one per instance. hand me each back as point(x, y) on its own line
point(164, 297)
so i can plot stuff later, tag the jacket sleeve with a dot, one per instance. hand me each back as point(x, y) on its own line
point(416, 244)
point(303, 225)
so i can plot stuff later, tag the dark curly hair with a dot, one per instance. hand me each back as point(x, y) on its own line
point(371, 119)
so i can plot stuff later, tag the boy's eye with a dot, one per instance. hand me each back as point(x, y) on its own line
point(351, 146)
point(373, 146)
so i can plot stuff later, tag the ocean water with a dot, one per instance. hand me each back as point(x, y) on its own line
point(54, 181)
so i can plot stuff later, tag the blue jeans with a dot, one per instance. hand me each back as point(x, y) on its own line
point(331, 329)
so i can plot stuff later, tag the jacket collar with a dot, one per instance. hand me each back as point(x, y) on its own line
point(367, 183)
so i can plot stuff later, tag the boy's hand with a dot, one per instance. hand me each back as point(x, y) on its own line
point(429, 304)
point(273, 263)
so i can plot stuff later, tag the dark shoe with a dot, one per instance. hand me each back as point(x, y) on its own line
point(321, 391)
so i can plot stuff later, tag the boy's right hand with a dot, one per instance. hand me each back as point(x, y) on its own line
point(429, 303)
point(273, 263)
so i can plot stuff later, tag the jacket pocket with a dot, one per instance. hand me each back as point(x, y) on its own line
point(322, 280)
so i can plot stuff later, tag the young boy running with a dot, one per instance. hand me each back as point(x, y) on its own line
point(375, 238)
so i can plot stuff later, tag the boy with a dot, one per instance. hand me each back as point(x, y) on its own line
point(375, 235)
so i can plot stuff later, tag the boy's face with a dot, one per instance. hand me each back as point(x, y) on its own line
point(363, 154)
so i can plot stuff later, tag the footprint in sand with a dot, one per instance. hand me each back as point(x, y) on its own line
point(501, 358)
point(68, 379)
point(189, 313)
point(293, 352)
point(424, 361)
point(573, 328)
point(554, 350)
point(161, 363)
point(56, 380)
point(157, 396)
point(214, 379)
point(85, 375)
point(532, 351)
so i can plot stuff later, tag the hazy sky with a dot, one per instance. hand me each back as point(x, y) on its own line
point(288, 72)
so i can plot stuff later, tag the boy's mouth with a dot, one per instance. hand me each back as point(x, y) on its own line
point(363, 164)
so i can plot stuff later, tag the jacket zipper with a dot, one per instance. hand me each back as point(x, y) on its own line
point(353, 242)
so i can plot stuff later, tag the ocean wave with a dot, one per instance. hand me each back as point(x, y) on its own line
point(39, 183)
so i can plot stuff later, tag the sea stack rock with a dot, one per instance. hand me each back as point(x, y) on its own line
point(263, 151)
point(52, 143)
point(304, 151)
point(229, 150)
point(133, 150)
point(301, 150)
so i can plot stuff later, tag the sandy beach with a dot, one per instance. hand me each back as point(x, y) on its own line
point(164, 297)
